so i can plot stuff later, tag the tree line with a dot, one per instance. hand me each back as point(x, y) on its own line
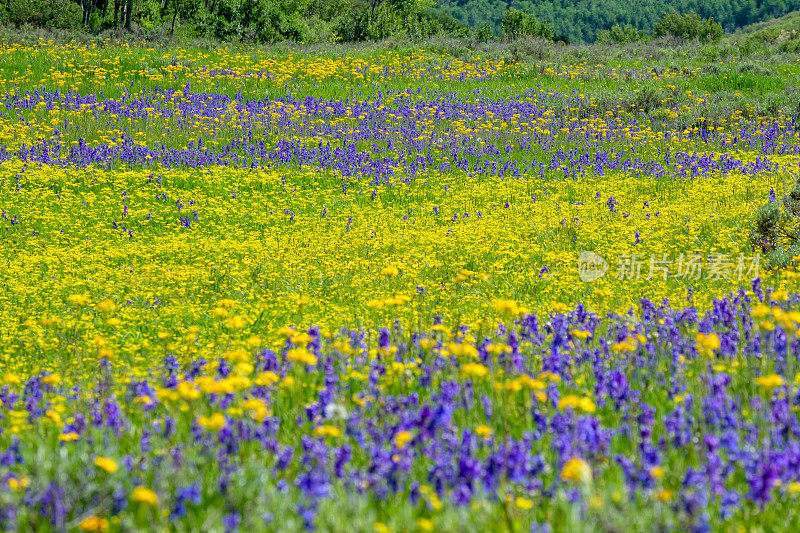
point(584, 20)
point(246, 20)
point(307, 21)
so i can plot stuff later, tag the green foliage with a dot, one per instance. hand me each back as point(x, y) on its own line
point(266, 21)
point(518, 24)
point(581, 20)
point(647, 99)
point(384, 22)
point(771, 30)
point(791, 43)
point(381, 19)
point(689, 26)
point(484, 33)
point(438, 23)
point(364, 22)
point(783, 32)
point(147, 14)
point(529, 48)
point(776, 229)
point(310, 21)
point(355, 24)
point(43, 13)
point(621, 35)
point(222, 20)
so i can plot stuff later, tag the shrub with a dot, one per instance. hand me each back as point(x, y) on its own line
point(222, 21)
point(44, 13)
point(689, 26)
point(279, 25)
point(262, 20)
point(484, 33)
point(776, 229)
point(518, 24)
point(647, 99)
point(789, 41)
point(621, 35)
point(522, 49)
point(443, 23)
point(353, 25)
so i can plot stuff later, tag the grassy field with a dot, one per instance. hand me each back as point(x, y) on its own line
point(340, 289)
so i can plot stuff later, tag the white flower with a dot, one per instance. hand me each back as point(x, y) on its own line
point(335, 411)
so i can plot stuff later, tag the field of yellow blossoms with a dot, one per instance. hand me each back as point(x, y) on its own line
point(393, 290)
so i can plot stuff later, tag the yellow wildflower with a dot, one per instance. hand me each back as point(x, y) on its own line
point(214, 422)
point(390, 271)
point(105, 305)
point(144, 495)
point(770, 382)
point(664, 495)
point(257, 408)
point(107, 464)
point(505, 306)
point(52, 379)
point(707, 343)
point(78, 299)
point(476, 370)
point(580, 334)
point(484, 431)
point(523, 503)
point(266, 378)
point(236, 322)
point(577, 402)
point(425, 524)
point(93, 523)
point(577, 470)
point(18, 483)
point(403, 438)
point(326, 430)
point(301, 338)
point(302, 355)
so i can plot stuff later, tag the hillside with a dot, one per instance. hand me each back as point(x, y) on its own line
point(769, 30)
point(581, 20)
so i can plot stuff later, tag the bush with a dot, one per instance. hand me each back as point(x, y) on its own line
point(536, 49)
point(519, 24)
point(223, 21)
point(362, 23)
point(354, 25)
point(44, 13)
point(689, 26)
point(484, 33)
point(776, 229)
point(440, 23)
point(621, 35)
point(267, 21)
point(789, 41)
point(647, 99)
point(277, 25)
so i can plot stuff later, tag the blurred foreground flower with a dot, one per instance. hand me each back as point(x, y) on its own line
point(144, 495)
point(577, 470)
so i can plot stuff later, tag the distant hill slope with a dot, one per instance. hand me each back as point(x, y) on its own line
point(580, 20)
point(770, 29)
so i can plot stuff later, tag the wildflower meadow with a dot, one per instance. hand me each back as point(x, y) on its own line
point(390, 288)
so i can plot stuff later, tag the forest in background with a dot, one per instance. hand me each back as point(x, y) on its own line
point(583, 20)
point(310, 21)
